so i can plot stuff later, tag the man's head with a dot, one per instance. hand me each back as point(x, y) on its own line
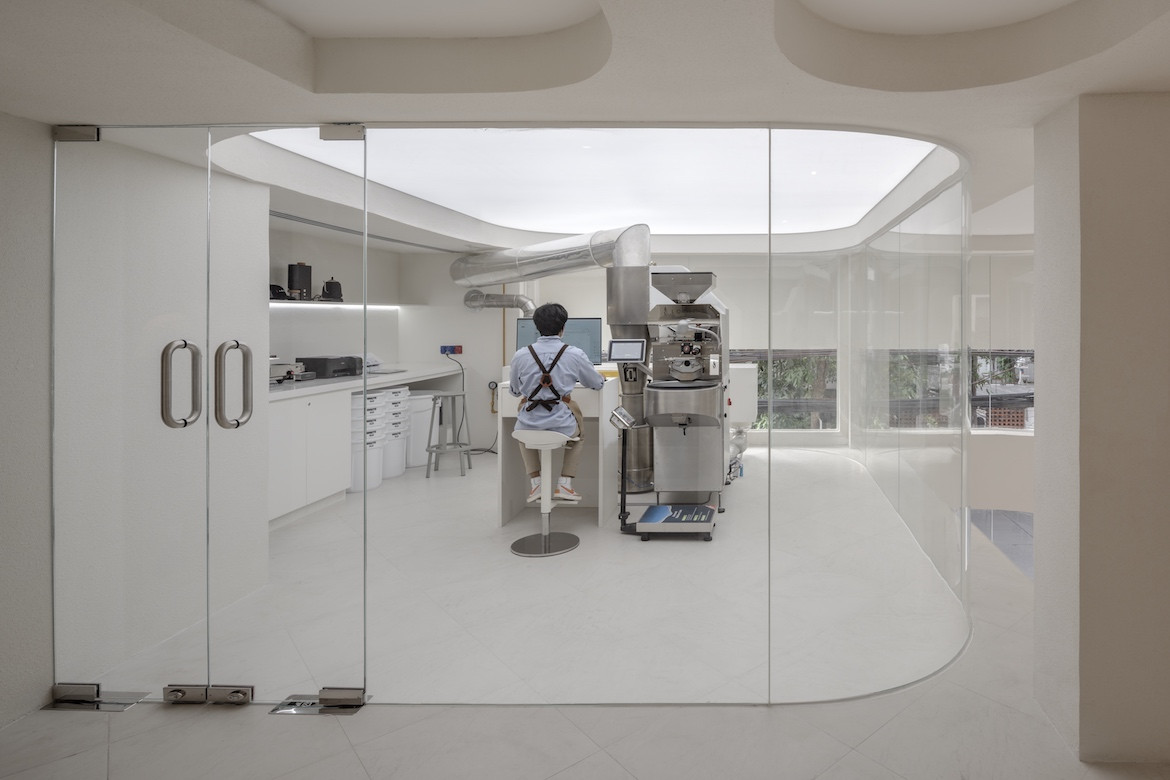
point(550, 319)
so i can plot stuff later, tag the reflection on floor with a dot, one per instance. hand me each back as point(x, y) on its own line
point(1011, 532)
point(452, 616)
point(976, 719)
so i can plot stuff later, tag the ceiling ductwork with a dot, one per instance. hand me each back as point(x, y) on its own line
point(629, 246)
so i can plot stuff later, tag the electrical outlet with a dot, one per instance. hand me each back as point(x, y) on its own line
point(446, 349)
point(458, 349)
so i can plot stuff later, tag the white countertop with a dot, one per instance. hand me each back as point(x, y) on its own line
point(410, 373)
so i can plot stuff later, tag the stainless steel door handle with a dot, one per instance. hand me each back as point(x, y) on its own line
point(221, 384)
point(196, 383)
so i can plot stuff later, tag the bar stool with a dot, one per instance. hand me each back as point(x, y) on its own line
point(450, 405)
point(544, 543)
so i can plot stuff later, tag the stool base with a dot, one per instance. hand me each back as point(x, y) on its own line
point(542, 546)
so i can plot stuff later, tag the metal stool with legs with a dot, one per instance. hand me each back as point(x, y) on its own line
point(452, 432)
point(544, 543)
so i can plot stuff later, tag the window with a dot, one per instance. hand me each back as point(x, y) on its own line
point(804, 388)
point(1002, 390)
point(920, 387)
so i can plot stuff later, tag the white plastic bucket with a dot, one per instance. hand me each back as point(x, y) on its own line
point(371, 475)
point(420, 421)
point(394, 454)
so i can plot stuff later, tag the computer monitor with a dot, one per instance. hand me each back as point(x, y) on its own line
point(627, 351)
point(583, 332)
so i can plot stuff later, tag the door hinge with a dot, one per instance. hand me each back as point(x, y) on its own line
point(343, 131)
point(216, 694)
point(77, 133)
point(89, 696)
point(185, 694)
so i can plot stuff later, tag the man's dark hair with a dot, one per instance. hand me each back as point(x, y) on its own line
point(550, 319)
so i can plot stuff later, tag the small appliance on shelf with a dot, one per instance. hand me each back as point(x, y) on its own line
point(330, 366)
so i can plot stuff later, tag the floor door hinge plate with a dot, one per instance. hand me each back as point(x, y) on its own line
point(89, 697)
point(329, 701)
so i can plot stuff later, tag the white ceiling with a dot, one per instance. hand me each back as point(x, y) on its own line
point(663, 62)
point(929, 17)
point(431, 18)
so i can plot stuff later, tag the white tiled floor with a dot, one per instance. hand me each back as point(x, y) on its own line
point(445, 619)
point(975, 720)
point(452, 616)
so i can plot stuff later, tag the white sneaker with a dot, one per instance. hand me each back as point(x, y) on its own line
point(566, 493)
point(534, 493)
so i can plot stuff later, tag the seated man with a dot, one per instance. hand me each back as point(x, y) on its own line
point(543, 375)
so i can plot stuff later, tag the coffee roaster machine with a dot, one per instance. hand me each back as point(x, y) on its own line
point(670, 345)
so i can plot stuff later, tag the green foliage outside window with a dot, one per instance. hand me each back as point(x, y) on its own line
point(804, 391)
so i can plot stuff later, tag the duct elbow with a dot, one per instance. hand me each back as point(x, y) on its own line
point(478, 299)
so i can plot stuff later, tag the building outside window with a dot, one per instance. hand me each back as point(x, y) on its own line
point(802, 384)
point(1003, 393)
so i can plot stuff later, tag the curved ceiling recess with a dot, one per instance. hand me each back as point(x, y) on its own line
point(699, 189)
point(415, 47)
point(937, 45)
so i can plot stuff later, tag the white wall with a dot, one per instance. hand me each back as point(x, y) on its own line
point(1102, 186)
point(432, 314)
point(1001, 471)
point(328, 331)
point(26, 613)
point(1000, 295)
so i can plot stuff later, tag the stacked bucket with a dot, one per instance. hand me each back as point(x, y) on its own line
point(397, 419)
point(379, 425)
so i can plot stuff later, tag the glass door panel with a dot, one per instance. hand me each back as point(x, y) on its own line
point(131, 409)
point(454, 615)
point(286, 542)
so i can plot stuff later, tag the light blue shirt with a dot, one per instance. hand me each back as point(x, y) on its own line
point(524, 378)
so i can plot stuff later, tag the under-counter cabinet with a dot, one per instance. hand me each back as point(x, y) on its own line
point(309, 450)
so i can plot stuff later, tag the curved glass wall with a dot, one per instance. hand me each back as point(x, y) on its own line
point(835, 569)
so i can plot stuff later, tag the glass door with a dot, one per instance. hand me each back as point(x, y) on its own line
point(192, 494)
point(132, 408)
point(286, 545)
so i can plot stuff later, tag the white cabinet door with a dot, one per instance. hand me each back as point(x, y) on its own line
point(309, 450)
point(327, 445)
point(287, 464)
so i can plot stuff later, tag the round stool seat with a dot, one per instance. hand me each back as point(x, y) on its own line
point(541, 440)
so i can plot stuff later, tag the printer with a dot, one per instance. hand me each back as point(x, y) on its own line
point(329, 366)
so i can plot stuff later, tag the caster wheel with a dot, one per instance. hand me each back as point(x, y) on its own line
point(706, 537)
point(645, 537)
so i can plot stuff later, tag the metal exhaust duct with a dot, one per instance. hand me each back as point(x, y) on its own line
point(478, 299)
point(624, 253)
point(620, 247)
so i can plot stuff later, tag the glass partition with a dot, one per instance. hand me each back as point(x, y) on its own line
point(303, 533)
point(867, 529)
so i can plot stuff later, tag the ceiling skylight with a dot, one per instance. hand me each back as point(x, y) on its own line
point(683, 181)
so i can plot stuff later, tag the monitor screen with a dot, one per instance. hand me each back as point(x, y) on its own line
point(583, 332)
point(627, 350)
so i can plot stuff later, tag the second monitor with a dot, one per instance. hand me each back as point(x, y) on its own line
point(583, 332)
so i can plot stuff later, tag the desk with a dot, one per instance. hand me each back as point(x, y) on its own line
point(600, 460)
